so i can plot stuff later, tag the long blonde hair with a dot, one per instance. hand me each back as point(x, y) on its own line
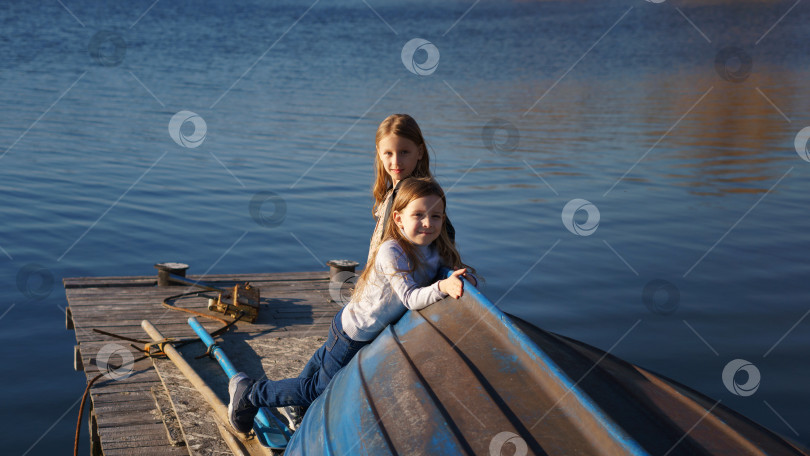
point(410, 189)
point(404, 126)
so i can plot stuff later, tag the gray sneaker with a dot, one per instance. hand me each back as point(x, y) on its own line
point(294, 415)
point(240, 411)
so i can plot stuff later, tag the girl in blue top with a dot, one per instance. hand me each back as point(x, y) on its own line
point(403, 274)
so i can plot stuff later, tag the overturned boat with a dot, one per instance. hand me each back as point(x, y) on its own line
point(462, 377)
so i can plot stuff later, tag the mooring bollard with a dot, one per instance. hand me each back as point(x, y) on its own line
point(338, 266)
point(165, 269)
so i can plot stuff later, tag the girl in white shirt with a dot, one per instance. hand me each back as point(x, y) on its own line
point(403, 274)
point(402, 270)
point(401, 152)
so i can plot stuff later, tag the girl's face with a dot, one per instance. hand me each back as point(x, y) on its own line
point(422, 219)
point(399, 156)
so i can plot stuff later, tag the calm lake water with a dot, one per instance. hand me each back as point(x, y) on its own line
point(674, 123)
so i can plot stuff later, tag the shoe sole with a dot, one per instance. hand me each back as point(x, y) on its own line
point(290, 421)
point(231, 392)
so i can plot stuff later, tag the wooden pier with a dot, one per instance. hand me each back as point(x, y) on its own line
point(148, 408)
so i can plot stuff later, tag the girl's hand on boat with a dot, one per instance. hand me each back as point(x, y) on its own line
point(453, 285)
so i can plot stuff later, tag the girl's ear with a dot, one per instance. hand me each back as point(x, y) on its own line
point(421, 151)
point(398, 218)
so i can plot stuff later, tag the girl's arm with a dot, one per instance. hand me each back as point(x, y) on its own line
point(392, 262)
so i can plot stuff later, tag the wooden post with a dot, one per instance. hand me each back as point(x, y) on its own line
point(338, 266)
point(78, 365)
point(164, 269)
point(68, 318)
point(95, 439)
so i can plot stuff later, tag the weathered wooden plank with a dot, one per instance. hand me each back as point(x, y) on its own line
point(118, 438)
point(101, 398)
point(98, 306)
point(217, 280)
point(148, 451)
point(119, 376)
point(124, 434)
point(112, 363)
point(171, 424)
point(113, 447)
point(149, 440)
point(178, 323)
point(285, 294)
point(139, 382)
point(109, 325)
point(279, 291)
point(74, 282)
point(105, 298)
point(177, 330)
point(324, 307)
point(90, 350)
point(312, 330)
point(133, 437)
point(118, 419)
point(261, 277)
point(115, 387)
point(145, 296)
point(90, 316)
point(128, 406)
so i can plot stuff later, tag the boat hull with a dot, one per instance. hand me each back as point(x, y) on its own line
point(462, 377)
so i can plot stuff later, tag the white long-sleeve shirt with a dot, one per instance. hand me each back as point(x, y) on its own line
point(390, 292)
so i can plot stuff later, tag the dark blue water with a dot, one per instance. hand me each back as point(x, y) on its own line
point(690, 163)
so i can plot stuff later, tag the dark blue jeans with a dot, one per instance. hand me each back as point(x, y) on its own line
point(335, 353)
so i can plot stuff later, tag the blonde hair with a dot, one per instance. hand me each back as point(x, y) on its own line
point(404, 126)
point(411, 189)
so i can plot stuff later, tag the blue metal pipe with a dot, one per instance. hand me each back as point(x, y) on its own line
point(270, 430)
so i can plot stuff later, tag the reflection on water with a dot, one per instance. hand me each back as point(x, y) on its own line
point(695, 177)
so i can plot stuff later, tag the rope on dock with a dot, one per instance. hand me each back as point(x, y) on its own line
point(147, 350)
